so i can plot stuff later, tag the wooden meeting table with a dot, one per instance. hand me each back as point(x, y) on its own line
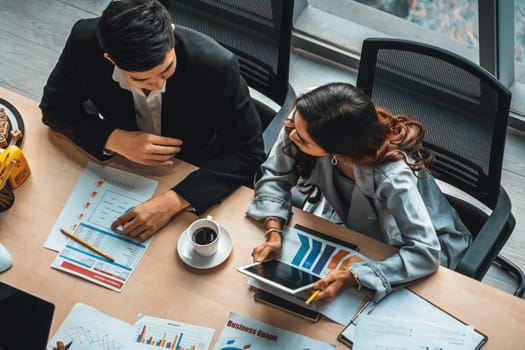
point(163, 286)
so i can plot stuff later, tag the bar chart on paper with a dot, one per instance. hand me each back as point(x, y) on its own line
point(153, 332)
point(315, 254)
point(163, 342)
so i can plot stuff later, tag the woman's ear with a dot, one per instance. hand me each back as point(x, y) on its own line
point(106, 56)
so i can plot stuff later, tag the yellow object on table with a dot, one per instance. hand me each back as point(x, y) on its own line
point(13, 167)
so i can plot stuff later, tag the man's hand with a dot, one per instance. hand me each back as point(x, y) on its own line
point(148, 218)
point(60, 346)
point(144, 148)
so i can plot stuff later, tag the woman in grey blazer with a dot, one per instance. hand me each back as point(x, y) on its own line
point(372, 169)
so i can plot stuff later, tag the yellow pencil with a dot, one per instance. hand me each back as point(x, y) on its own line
point(313, 296)
point(86, 244)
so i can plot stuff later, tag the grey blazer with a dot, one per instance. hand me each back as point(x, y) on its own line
point(386, 202)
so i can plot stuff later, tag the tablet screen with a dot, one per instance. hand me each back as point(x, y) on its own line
point(281, 275)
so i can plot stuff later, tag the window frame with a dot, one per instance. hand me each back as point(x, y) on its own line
point(496, 47)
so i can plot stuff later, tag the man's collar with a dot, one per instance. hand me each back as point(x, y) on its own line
point(119, 78)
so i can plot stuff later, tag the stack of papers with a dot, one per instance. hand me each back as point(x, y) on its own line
point(90, 329)
point(100, 196)
point(404, 318)
point(87, 328)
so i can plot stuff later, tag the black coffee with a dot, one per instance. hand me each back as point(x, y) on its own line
point(204, 235)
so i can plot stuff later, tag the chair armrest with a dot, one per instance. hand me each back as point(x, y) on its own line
point(272, 130)
point(489, 240)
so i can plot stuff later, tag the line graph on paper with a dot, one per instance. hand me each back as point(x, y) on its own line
point(86, 338)
point(91, 329)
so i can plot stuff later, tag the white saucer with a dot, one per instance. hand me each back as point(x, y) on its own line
point(189, 257)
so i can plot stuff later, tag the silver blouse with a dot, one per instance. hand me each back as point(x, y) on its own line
point(386, 202)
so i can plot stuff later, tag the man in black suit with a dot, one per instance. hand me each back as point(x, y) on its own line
point(132, 83)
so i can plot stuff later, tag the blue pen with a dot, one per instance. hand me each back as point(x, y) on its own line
point(68, 345)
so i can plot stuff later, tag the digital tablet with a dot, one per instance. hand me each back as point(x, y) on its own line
point(280, 303)
point(280, 275)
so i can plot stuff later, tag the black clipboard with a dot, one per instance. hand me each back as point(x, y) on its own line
point(346, 335)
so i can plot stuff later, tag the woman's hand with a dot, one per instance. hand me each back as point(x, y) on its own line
point(335, 280)
point(273, 229)
point(148, 218)
point(269, 249)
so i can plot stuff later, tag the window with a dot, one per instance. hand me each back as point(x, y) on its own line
point(336, 29)
point(346, 23)
point(519, 40)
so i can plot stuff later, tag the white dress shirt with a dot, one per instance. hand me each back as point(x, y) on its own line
point(148, 109)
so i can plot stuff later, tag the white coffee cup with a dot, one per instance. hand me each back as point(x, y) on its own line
point(203, 235)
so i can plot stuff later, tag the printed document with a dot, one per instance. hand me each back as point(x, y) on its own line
point(81, 261)
point(90, 329)
point(244, 333)
point(153, 332)
point(101, 195)
point(383, 332)
point(409, 310)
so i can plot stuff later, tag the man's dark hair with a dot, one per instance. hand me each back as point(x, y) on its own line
point(136, 34)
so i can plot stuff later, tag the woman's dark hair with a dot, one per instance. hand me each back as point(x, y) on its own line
point(343, 120)
point(136, 34)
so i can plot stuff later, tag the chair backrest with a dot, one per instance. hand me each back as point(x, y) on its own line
point(463, 107)
point(257, 31)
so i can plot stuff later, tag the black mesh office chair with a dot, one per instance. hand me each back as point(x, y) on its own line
point(465, 111)
point(259, 33)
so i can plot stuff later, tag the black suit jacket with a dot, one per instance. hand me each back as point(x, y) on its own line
point(206, 104)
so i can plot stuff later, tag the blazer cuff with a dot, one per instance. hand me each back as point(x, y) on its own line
point(264, 206)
